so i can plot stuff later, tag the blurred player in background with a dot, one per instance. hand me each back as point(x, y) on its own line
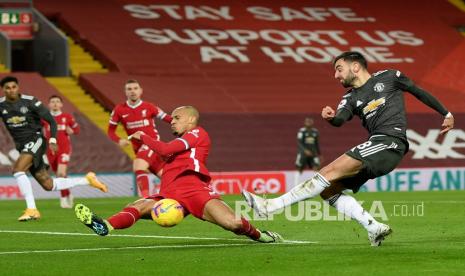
point(185, 179)
point(22, 116)
point(136, 114)
point(308, 147)
point(378, 100)
point(66, 126)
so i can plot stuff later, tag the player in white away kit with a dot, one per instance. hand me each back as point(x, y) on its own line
point(378, 100)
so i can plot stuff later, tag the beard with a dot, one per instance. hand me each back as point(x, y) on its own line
point(349, 80)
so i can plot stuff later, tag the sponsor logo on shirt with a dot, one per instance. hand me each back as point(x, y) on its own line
point(373, 105)
point(16, 121)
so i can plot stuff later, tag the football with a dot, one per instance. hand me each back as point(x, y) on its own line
point(167, 212)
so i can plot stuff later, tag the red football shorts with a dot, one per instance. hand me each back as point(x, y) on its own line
point(61, 157)
point(191, 192)
point(155, 161)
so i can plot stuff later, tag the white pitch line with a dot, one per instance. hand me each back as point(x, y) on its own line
point(122, 248)
point(147, 236)
point(117, 235)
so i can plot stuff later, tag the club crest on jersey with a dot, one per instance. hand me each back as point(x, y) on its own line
point(4, 111)
point(373, 105)
point(23, 109)
point(379, 87)
point(144, 113)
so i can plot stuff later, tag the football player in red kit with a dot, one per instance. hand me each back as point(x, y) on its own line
point(66, 126)
point(136, 114)
point(185, 178)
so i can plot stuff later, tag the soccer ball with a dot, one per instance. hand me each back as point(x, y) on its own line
point(167, 212)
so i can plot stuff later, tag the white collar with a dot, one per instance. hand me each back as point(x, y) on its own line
point(134, 105)
point(56, 113)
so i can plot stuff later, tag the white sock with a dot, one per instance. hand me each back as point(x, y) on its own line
point(349, 206)
point(62, 183)
point(307, 189)
point(26, 189)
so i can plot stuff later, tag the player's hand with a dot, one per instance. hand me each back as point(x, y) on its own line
point(447, 125)
point(123, 143)
point(69, 130)
point(53, 147)
point(328, 113)
point(136, 135)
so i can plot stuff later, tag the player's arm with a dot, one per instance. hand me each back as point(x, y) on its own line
point(317, 144)
point(408, 85)
point(187, 141)
point(45, 115)
point(111, 130)
point(162, 148)
point(162, 115)
point(338, 118)
point(73, 126)
point(300, 142)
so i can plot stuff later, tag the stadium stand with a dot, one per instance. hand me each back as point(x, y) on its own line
point(253, 109)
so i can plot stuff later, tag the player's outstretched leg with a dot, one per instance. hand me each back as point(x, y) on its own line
point(217, 212)
point(97, 224)
point(307, 189)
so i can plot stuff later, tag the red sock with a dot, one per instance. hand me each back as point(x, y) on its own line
point(248, 230)
point(124, 219)
point(65, 193)
point(142, 180)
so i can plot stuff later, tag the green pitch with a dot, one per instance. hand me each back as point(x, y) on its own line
point(428, 238)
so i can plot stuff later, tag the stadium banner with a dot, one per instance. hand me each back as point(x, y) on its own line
point(119, 185)
point(411, 179)
point(261, 182)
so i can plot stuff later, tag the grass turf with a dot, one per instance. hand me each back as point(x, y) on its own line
point(431, 243)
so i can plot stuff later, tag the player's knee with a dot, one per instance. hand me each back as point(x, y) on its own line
point(59, 174)
point(140, 165)
point(47, 185)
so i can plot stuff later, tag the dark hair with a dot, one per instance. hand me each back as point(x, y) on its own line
point(351, 57)
point(132, 81)
point(55, 96)
point(8, 79)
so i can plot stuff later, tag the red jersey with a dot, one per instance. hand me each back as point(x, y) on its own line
point(140, 116)
point(63, 120)
point(186, 153)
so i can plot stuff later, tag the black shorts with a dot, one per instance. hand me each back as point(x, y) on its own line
point(380, 155)
point(302, 161)
point(37, 147)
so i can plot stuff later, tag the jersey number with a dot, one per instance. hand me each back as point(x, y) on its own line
point(362, 146)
